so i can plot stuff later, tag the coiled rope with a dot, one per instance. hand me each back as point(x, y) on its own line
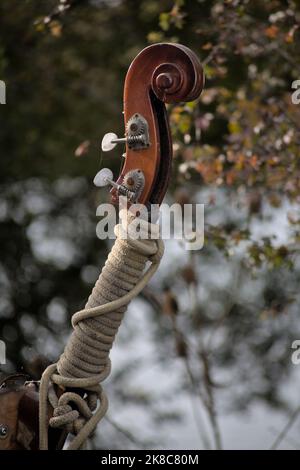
point(85, 361)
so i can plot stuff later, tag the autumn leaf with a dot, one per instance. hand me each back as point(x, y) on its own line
point(272, 31)
point(254, 162)
point(164, 21)
point(82, 148)
point(230, 177)
point(234, 127)
point(207, 46)
point(55, 28)
point(289, 37)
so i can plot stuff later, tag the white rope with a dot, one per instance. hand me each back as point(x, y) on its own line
point(85, 361)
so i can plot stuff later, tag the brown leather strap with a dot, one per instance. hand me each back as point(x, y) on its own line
point(19, 424)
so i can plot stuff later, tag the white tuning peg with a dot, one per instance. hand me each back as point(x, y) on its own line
point(110, 140)
point(103, 178)
point(137, 135)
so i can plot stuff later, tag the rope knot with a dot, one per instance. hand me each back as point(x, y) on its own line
point(62, 416)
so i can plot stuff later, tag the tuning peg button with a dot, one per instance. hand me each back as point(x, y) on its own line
point(137, 135)
point(103, 178)
point(108, 142)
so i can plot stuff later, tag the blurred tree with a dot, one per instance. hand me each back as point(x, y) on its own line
point(236, 150)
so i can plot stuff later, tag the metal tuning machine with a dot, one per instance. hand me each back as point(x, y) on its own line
point(131, 187)
point(137, 135)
